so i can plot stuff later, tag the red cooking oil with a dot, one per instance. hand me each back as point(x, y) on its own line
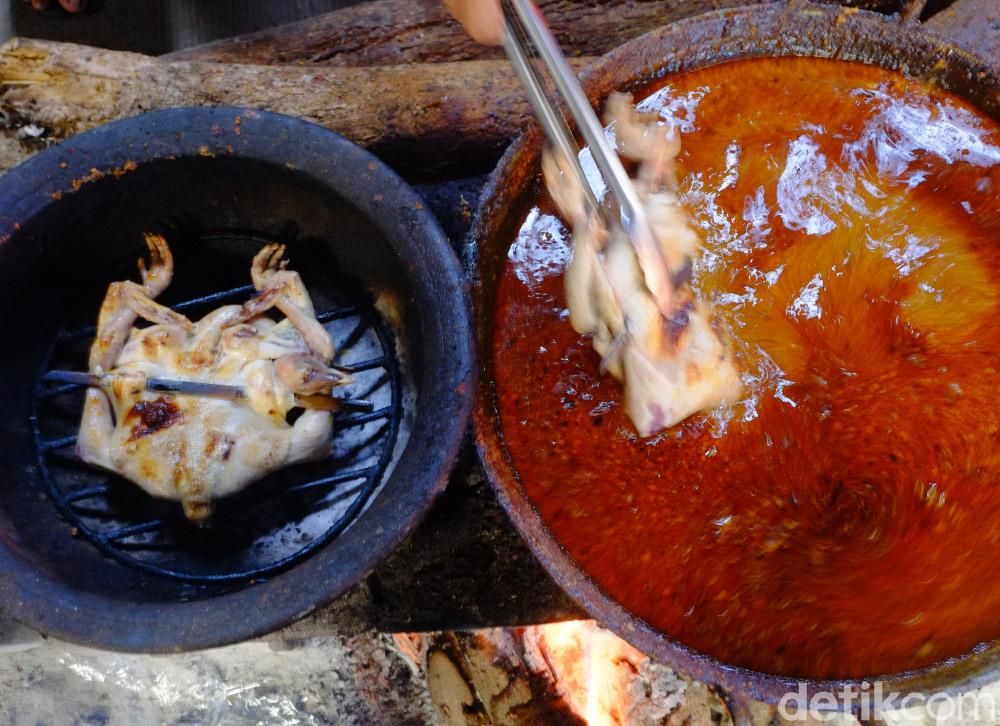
point(842, 518)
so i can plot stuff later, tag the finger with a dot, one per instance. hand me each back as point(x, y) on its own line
point(73, 6)
point(481, 19)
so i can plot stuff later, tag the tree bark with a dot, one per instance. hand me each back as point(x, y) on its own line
point(389, 32)
point(430, 112)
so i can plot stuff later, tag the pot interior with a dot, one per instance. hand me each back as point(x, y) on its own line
point(215, 214)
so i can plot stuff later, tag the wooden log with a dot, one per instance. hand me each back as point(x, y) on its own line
point(425, 113)
point(387, 32)
point(418, 115)
point(972, 24)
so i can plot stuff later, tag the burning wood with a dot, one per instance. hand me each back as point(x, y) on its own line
point(573, 672)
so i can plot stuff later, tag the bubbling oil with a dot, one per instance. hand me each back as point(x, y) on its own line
point(842, 519)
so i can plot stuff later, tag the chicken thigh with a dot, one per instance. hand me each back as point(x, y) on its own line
point(633, 296)
point(195, 449)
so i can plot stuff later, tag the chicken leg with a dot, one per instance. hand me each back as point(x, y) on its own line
point(125, 302)
point(268, 271)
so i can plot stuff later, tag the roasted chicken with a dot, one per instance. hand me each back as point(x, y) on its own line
point(196, 448)
point(651, 332)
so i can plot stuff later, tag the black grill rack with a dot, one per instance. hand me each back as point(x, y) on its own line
point(265, 528)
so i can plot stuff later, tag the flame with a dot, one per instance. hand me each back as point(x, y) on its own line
point(590, 668)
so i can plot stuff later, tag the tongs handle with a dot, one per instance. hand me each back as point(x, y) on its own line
point(523, 21)
point(524, 14)
point(553, 123)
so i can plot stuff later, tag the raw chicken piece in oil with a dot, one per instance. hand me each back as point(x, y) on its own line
point(196, 448)
point(651, 332)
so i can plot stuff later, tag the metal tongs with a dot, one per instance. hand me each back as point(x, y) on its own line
point(621, 207)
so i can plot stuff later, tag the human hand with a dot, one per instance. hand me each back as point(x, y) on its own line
point(480, 18)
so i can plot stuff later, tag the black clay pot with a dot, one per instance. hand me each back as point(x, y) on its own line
point(87, 557)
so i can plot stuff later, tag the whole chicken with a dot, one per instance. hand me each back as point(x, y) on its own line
point(198, 448)
point(635, 298)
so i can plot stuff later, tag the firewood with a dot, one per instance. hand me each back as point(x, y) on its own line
point(388, 32)
point(432, 111)
point(559, 673)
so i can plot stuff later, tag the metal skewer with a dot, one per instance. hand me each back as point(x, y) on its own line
point(160, 385)
point(199, 388)
point(523, 23)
